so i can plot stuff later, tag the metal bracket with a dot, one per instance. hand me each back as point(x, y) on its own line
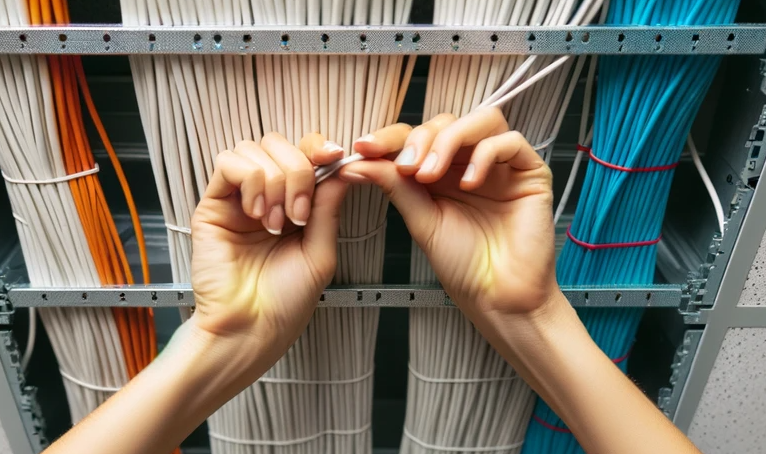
point(391, 39)
point(25, 397)
point(682, 363)
point(178, 295)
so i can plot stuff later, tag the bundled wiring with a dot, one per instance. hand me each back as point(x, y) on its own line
point(453, 370)
point(191, 108)
point(67, 233)
point(645, 106)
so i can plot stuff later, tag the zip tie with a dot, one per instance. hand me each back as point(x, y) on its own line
point(608, 165)
point(296, 441)
point(422, 377)
point(19, 218)
point(175, 228)
point(63, 179)
point(357, 239)
point(82, 384)
point(294, 381)
point(322, 173)
point(460, 448)
point(549, 426)
point(594, 247)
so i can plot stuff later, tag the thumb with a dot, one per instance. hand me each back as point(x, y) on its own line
point(410, 198)
point(321, 232)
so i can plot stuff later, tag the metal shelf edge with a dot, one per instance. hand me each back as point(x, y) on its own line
point(392, 39)
point(178, 295)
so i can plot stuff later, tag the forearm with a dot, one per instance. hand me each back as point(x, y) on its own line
point(192, 377)
point(607, 413)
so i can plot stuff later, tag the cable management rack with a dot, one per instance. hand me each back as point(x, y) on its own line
point(705, 298)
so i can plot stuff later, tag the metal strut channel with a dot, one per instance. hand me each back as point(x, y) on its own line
point(174, 295)
point(395, 39)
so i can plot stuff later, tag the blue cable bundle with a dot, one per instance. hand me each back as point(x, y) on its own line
point(645, 108)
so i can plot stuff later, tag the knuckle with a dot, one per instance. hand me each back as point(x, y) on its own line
point(516, 136)
point(245, 145)
point(270, 137)
point(276, 181)
point(300, 175)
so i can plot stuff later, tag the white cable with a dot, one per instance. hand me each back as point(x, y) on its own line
point(31, 338)
point(178, 229)
point(708, 183)
point(295, 381)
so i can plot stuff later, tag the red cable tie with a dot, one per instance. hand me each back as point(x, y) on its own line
point(584, 149)
point(621, 358)
point(594, 247)
point(542, 422)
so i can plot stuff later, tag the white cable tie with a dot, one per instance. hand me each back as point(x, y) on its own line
point(296, 441)
point(19, 218)
point(295, 381)
point(63, 179)
point(422, 377)
point(357, 239)
point(425, 445)
point(175, 228)
point(82, 384)
point(322, 173)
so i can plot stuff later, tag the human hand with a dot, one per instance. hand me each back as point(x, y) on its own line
point(478, 200)
point(257, 273)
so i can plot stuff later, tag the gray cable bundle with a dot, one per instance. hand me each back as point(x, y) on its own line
point(318, 398)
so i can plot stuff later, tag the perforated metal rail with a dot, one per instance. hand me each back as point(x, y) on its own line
point(413, 39)
point(175, 295)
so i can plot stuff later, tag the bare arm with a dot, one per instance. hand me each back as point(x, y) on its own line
point(478, 200)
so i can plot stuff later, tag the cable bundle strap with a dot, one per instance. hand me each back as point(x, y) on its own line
point(543, 423)
point(295, 381)
point(609, 165)
point(296, 441)
point(106, 389)
point(63, 179)
point(461, 448)
point(424, 378)
point(179, 229)
point(595, 247)
point(357, 239)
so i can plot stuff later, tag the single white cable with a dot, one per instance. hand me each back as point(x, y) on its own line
point(92, 387)
point(461, 448)
point(707, 182)
point(296, 441)
point(63, 179)
point(426, 379)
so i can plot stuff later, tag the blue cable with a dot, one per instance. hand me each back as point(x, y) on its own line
point(645, 107)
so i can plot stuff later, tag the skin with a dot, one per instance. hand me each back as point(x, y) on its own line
point(469, 179)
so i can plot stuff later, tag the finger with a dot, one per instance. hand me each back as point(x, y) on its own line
point(232, 173)
point(510, 147)
point(419, 142)
point(320, 236)
point(465, 131)
point(416, 206)
point(383, 141)
point(273, 214)
point(319, 150)
point(299, 176)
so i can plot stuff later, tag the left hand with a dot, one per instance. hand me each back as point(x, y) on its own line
point(264, 242)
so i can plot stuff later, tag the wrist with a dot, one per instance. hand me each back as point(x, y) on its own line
point(226, 362)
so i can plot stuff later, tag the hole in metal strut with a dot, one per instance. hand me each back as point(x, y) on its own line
point(23, 38)
point(62, 37)
point(621, 37)
point(363, 38)
point(107, 38)
point(247, 38)
point(152, 38)
point(398, 37)
point(416, 38)
point(325, 37)
point(494, 38)
point(285, 38)
point(217, 38)
point(197, 38)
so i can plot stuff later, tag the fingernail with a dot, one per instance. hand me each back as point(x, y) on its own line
point(353, 177)
point(470, 171)
point(276, 218)
point(366, 138)
point(430, 162)
point(301, 210)
point(406, 157)
point(332, 147)
point(259, 208)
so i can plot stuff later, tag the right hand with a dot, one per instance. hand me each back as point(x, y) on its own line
point(477, 199)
